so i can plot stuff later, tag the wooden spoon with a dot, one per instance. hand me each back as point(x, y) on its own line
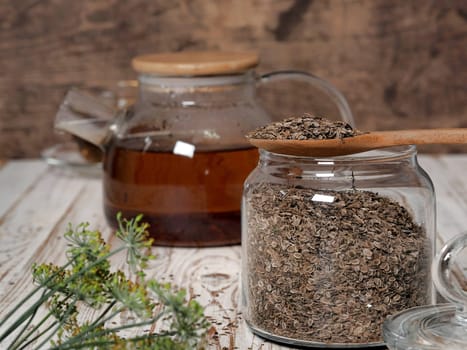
point(363, 142)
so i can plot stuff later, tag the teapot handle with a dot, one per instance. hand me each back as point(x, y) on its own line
point(336, 97)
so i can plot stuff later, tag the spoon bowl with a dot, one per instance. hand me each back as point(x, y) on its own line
point(361, 143)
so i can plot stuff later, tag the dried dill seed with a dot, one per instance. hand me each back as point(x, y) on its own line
point(317, 274)
point(303, 128)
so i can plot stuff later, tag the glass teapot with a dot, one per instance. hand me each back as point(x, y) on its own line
point(178, 155)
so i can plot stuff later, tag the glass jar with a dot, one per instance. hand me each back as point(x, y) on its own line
point(332, 246)
point(442, 326)
point(178, 155)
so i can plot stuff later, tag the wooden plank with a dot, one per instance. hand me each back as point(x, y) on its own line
point(26, 227)
point(211, 274)
point(29, 228)
point(451, 199)
point(450, 190)
point(398, 62)
point(32, 229)
point(15, 178)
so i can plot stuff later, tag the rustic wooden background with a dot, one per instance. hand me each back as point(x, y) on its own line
point(400, 63)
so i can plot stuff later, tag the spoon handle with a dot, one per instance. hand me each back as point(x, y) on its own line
point(421, 136)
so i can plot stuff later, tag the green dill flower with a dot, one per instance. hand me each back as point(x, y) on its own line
point(132, 296)
point(86, 247)
point(86, 284)
point(188, 320)
point(63, 309)
point(49, 275)
point(85, 243)
point(135, 237)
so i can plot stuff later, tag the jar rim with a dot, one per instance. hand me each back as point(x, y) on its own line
point(393, 153)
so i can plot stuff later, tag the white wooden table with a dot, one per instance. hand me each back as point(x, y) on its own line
point(37, 202)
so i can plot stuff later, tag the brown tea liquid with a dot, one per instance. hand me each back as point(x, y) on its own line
point(187, 201)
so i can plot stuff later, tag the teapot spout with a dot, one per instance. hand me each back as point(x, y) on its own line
point(86, 117)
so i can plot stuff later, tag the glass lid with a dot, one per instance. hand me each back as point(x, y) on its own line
point(436, 326)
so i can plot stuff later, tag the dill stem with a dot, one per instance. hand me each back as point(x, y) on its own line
point(32, 309)
point(69, 344)
point(20, 333)
point(27, 297)
point(23, 346)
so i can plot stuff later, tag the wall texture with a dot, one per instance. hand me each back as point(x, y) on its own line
point(400, 63)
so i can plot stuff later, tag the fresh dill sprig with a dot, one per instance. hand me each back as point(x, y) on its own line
point(86, 283)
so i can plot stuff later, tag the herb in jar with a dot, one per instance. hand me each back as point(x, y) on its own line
point(329, 266)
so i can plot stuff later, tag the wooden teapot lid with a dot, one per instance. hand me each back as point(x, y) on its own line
point(195, 63)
